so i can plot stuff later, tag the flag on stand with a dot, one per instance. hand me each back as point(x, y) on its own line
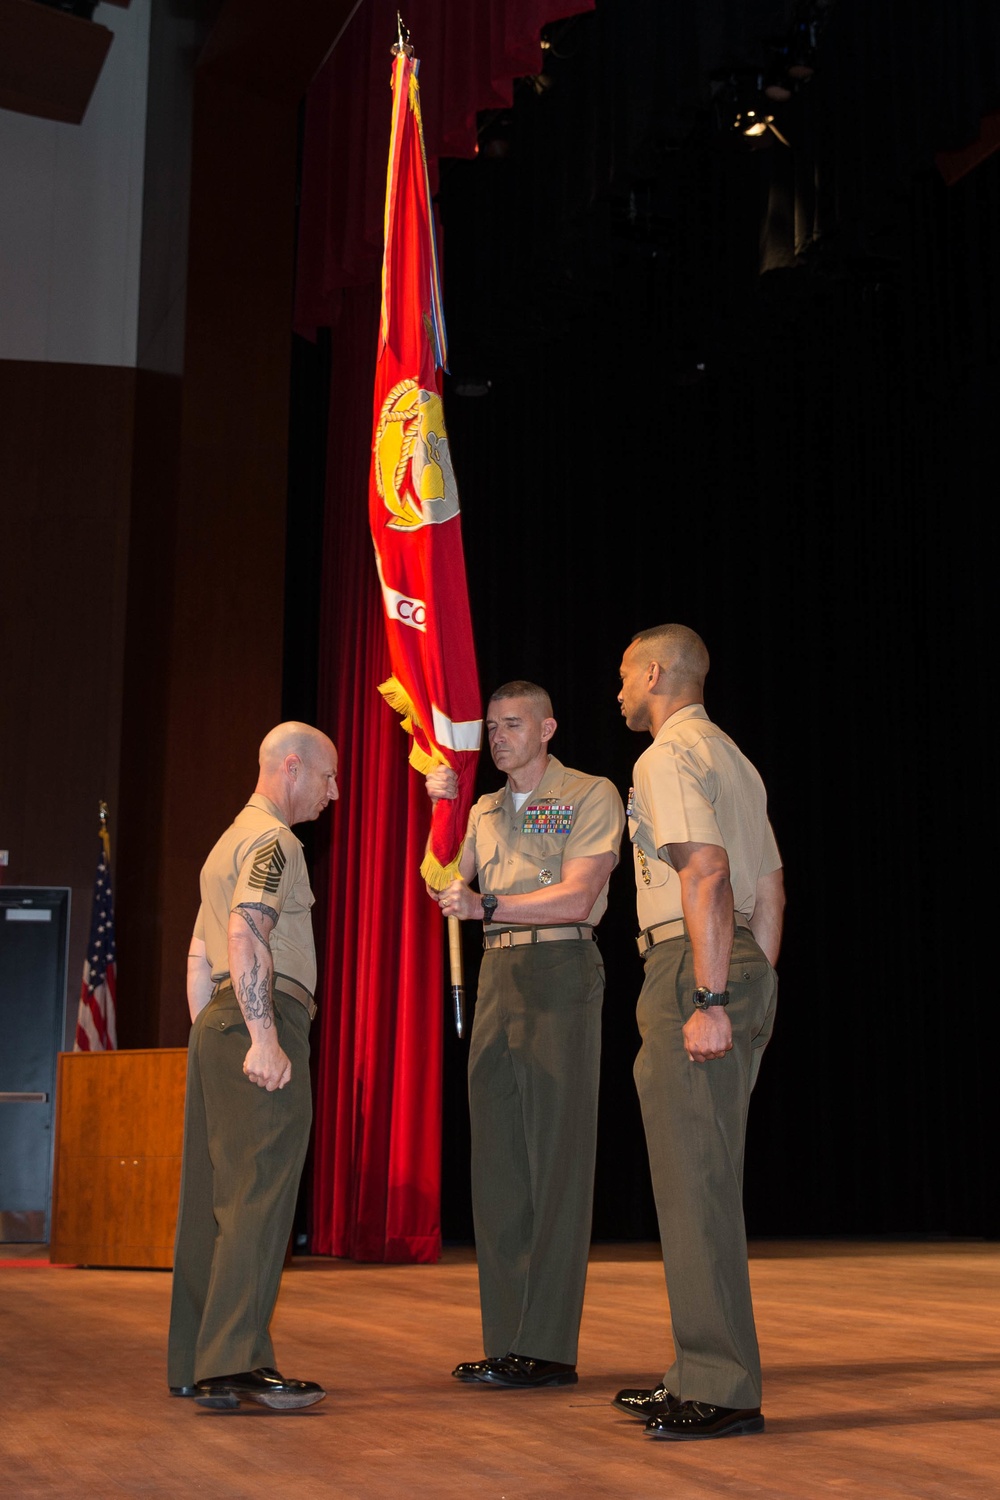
point(413, 499)
point(96, 1029)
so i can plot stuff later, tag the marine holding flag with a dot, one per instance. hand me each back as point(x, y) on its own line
point(413, 498)
point(96, 1021)
point(541, 850)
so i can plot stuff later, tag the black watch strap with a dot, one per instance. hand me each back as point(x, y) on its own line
point(704, 998)
point(490, 904)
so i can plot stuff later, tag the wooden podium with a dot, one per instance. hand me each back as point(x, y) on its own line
point(119, 1134)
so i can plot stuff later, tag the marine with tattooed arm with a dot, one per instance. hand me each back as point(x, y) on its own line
point(251, 976)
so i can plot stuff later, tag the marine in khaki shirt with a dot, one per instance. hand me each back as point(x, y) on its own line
point(710, 904)
point(541, 851)
point(248, 1108)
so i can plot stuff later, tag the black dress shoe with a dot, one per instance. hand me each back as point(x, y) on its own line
point(524, 1373)
point(266, 1387)
point(471, 1369)
point(696, 1419)
point(645, 1403)
point(183, 1390)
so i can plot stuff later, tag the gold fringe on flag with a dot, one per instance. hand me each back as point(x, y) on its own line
point(438, 876)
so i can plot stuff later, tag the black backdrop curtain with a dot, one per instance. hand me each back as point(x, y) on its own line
point(755, 391)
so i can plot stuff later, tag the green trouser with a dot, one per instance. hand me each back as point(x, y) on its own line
point(695, 1117)
point(244, 1149)
point(534, 1062)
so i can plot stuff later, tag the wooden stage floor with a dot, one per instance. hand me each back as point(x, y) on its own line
point(881, 1366)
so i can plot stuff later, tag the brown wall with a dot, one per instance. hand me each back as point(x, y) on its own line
point(65, 484)
point(145, 696)
point(142, 514)
point(203, 671)
point(223, 682)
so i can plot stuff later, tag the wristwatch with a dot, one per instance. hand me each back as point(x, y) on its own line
point(704, 998)
point(490, 904)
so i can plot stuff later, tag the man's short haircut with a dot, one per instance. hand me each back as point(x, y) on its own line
point(678, 649)
point(522, 689)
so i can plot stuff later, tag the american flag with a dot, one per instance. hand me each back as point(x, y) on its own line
point(96, 1029)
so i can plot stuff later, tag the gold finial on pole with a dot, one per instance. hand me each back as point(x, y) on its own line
point(402, 43)
point(105, 837)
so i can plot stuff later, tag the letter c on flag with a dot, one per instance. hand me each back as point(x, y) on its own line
point(412, 612)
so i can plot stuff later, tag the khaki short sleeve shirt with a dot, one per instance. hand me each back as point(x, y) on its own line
point(695, 786)
point(569, 815)
point(259, 861)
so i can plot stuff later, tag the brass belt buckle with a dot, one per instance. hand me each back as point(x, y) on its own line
point(508, 934)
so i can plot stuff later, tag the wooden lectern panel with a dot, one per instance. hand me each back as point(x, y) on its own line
point(119, 1137)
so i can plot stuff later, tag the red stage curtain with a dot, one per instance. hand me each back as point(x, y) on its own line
point(376, 1178)
point(377, 1145)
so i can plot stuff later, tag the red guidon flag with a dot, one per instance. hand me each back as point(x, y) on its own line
point(412, 495)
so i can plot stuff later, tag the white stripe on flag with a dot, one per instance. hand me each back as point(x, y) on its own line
point(465, 735)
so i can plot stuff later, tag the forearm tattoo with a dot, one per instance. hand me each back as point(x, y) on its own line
point(246, 907)
point(254, 995)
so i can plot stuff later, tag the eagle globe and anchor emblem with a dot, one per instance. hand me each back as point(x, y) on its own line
point(413, 468)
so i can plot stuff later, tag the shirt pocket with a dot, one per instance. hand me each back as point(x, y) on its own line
point(225, 1014)
point(489, 856)
point(541, 858)
point(301, 898)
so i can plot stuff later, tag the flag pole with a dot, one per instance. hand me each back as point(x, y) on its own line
point(457, 975)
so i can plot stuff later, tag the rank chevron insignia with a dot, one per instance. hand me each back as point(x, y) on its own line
point(268, 864)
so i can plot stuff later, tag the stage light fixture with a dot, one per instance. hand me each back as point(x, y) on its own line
point(755, 124)
point(752, 119)
point(752, 123)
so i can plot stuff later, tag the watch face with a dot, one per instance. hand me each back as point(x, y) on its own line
point(705, 999)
